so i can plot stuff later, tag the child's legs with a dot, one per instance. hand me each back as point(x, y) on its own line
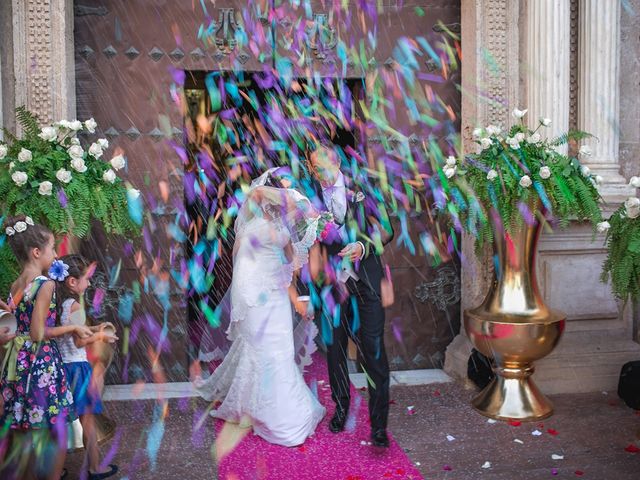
point(90, 440)
point(49, 452)
point(16, 457)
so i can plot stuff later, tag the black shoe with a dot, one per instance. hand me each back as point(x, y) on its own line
point(379, 438)
point(113, 469)
point(339, 419)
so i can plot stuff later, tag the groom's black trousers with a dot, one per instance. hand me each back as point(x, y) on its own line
point(362, 319)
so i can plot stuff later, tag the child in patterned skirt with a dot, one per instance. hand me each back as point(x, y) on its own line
point(37, 403)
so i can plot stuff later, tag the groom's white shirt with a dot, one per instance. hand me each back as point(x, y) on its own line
point(335, 198)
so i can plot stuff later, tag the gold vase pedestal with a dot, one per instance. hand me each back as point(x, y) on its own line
point(515, 328)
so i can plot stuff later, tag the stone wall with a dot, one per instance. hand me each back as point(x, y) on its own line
point(630, 88)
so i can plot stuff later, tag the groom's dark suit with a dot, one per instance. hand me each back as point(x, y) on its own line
point(353, 308)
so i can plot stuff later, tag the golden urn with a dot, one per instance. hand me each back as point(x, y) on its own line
point(515, 328)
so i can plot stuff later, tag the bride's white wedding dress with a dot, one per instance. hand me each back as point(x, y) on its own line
point(259, 382)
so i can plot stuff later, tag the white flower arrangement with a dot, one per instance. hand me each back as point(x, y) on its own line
point(48, 170)
point(520, 166)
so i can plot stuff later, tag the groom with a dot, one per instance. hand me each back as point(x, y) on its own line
point(353, 272)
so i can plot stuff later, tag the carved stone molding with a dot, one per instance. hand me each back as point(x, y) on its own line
point(573, 62)
point(43, 57)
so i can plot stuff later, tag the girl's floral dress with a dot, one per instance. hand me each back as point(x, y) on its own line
point(39, 396)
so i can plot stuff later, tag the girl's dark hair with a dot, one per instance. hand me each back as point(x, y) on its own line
point(78, 266)
point(21, 243)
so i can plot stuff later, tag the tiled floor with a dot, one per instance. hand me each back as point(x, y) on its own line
point(592, 431)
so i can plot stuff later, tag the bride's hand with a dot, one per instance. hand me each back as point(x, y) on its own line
point(302, 309)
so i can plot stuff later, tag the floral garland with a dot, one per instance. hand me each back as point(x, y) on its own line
point(515, 177)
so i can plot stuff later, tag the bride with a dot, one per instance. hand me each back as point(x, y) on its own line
point(259, 382)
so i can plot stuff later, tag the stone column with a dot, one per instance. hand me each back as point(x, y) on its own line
point(43, 56)
point(547, 57)
point(599, 90)
point(490, 85)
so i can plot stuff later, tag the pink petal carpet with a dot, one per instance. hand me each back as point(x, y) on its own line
point(325, 455)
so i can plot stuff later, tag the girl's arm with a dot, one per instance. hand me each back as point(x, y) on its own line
point(39, 331)
point(96, 337)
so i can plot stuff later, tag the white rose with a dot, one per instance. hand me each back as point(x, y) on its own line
point(76, 125)
point(74, 141)
point(525, 181)
point(634, 182)
point(103, 142)
point(513, 142)
point(603, 227)
point(451, 161)
point(109, 176)
point(49, 134)
point(11, 165)
point(585, 171)
point(91, 125)
point(78, 165)
point(632, 207)
point(545, 122)
point(95, 150)
point(598, 179)
point(585, 150)
point(450, 172)
point(63, 124)
point(75, 151)
point(63, 175)
point(485, 142)
point(491, 175)
point(25, 155)
point(493, 130)
point(45, 188)
point(477, 132)
point(118, 162)
point(20, 226)
point(3, 150)
point(534, 139)
point(19, 178)
point(519, 136)
point(545, 172)
point(519, 113)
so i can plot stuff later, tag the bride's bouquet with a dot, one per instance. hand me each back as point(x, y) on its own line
point(327, 227)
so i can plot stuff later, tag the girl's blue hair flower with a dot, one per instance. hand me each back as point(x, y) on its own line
point(58, 271)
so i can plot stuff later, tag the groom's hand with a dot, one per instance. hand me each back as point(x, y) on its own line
point(353, 250)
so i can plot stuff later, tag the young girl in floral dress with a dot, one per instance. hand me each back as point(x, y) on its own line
point(37, 402)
